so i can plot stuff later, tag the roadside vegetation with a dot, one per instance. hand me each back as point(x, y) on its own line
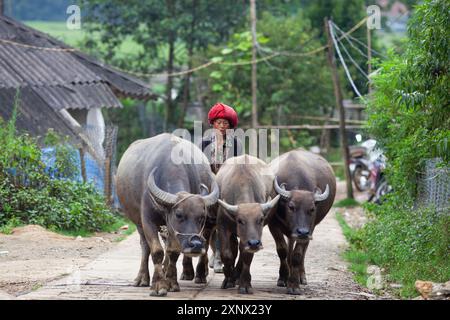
point(30, 193)
point(409, 115)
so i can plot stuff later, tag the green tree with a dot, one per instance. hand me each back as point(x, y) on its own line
point(410, 112)
point(161, 28)
point(289, 86)
point(345, 14)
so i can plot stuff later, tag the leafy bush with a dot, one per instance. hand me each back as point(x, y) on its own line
point(29, 195)
point(410, 243)
point(409, 115)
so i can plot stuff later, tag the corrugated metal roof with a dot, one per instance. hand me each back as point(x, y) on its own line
point(85, 96)
point(21, 66)
point(34, 116)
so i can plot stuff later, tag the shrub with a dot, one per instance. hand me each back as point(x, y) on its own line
point(410, 243)
point(29, 195)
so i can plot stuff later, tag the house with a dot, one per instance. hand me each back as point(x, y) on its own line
point(59, 87)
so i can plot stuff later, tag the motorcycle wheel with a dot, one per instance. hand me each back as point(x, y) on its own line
point(382, 189)
point(359, 173)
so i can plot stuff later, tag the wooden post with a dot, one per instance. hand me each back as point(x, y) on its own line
point(340, 107)
point(254, 83)
point(83, 164)
point(108, 181)
point(369, 56)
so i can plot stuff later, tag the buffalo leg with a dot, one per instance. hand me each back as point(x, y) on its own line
point(202, 266)
point(296, 259)
point(282, 250)
point(226, 254)
point(245, 278)
point(188, 269)
point(159, 283)
point(173, 252)
point(143, 277)
point(302, 264)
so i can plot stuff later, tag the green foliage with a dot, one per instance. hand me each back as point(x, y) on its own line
point(413, 244)
point(409, 116)
point(409, 113)
point(348, 202)
point(359, 259)
point(28, 195)
point(286, 89)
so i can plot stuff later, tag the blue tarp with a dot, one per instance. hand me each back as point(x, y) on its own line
point(95, 174)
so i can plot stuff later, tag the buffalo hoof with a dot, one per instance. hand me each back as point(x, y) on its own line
point(281, 283)
point(200, 279)
point(159, 289)
point(303, 280)
point(228, 283)
point(245, 290)
point(187, 275)
point(174, 287)
point(294, 291)
point(158, 293)
point(142, 280)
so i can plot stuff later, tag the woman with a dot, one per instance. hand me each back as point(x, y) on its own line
point(220, 145)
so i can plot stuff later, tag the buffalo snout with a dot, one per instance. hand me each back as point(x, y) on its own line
point(253, 245)
point(303, 232)
point(194, 246)
point(196, 242)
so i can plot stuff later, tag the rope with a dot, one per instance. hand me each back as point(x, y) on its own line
point(333, 37)
point(354, 62)
point(186, 234)
point(35, 47)
point(348, 37)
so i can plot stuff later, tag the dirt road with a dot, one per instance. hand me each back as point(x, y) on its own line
point(110, 275)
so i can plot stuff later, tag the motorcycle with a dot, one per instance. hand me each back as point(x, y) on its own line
point(367, 164)
point(379, 184)
point(360, 164)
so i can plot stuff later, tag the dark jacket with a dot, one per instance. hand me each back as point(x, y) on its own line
point(237, 151)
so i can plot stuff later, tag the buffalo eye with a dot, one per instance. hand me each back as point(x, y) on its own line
point(311, 211)
point(240, 221)
point(178, 215)
point(291, 206)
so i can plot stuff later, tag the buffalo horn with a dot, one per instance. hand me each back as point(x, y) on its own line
point(161, 196)
point(269, 204)
point(281, 191)
point(212, 198)
point(319, 196)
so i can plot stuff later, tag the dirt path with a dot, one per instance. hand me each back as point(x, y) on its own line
point(32, 256)
point(110, 275)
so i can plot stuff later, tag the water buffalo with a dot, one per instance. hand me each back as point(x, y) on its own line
point(159, 183)
point(307, 187)
point(246, 183)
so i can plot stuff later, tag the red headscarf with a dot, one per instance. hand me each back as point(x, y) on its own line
point(222, 111)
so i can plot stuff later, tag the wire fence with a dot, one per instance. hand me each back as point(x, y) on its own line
point(434, 186)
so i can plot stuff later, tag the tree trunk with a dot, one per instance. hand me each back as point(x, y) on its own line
point(187, 78)
point(254, 73)
point(169, 114)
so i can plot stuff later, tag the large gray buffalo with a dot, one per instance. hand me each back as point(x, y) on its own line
point(246, 184)
point(307, 187)
point(165, 181)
